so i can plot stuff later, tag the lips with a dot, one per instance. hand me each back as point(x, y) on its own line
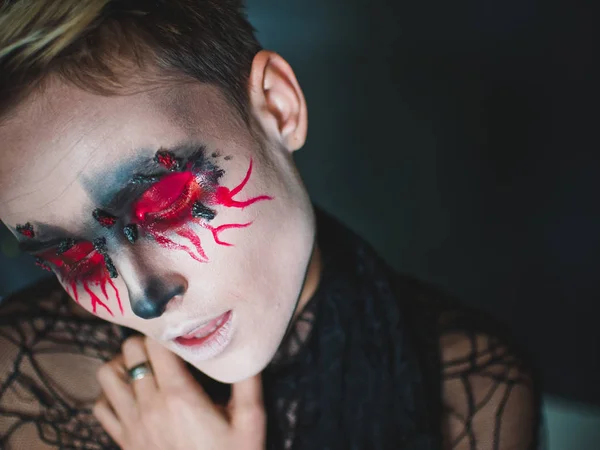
point(205, 332)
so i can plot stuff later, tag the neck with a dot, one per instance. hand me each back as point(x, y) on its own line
point(302, 321)
point(313, 277)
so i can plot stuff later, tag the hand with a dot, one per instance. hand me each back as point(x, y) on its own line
point(169, 410)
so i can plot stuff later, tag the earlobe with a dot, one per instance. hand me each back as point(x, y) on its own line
point(277, 100)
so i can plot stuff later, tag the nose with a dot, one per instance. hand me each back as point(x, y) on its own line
point(153, 299)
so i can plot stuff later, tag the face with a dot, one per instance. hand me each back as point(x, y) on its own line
point(163, 212)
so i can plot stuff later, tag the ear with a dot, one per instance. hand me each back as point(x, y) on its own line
point(277, 101)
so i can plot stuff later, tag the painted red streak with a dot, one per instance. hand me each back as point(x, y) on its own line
point(165, 242)
point(194, 239)
point(95, 300)
point(167, 207)
point(216, 230)
point(224, 196)
point(83, 265)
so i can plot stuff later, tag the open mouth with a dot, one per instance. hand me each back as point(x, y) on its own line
point(207, 333)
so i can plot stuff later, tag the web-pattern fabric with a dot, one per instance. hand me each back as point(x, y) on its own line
point(48, 358)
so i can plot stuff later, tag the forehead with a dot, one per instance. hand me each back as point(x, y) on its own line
point(64, 136)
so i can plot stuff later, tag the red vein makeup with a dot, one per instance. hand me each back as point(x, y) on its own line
point(187, 195)
point(87, 264)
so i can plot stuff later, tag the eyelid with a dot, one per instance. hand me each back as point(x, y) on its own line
point(77, 270)
point(167, 199)
point(73, 255)
point(81, 248)
point(181, 205)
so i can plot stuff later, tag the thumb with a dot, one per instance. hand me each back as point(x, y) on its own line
point(246, 407)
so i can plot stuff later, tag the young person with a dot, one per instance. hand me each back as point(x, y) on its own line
point(147, 161)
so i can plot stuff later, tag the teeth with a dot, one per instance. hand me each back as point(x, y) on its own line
point(209, 332)
point(212, 330)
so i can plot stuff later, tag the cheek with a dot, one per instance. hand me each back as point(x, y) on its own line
point(266, 268)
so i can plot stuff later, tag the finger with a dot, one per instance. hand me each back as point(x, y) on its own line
point(247, 408)
point(116, 390)
point(108, 419)
point(134, 353)
point(170, 370)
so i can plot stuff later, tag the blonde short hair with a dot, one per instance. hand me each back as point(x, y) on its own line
point(105, 45)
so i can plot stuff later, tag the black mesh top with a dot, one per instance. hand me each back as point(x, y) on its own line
point(375, 361)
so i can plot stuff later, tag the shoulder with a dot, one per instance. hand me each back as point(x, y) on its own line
point(50, 354)
point(488, 392)
point(43, 317)
point(489, 397)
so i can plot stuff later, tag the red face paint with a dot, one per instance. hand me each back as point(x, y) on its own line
point(224, 196)
point(173, 203)
point(26, 230)
point(182, 198)
point(167, 160)
point(105, 219)
point(82, 264)
point(168, 202)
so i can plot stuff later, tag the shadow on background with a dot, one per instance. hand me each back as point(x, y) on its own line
point(456, 137)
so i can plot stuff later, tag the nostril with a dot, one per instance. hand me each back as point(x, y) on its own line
point(153, 300)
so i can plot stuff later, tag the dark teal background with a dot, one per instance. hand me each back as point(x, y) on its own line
point(460, 139)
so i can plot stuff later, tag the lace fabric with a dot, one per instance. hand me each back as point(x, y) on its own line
point(359, 380)
point(490, 395)
point(48, 358)
point(375, 361)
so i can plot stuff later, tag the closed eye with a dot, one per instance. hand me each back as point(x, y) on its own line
point(168, 202)
point(79, 261)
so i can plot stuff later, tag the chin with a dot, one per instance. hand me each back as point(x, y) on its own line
point(233, 370)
